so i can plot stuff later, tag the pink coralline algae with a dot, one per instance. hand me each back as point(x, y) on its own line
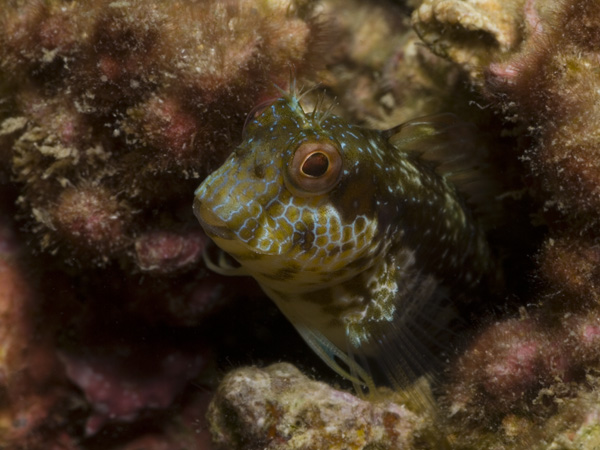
point(506, 367)
point(119, 384)
point(167, 251)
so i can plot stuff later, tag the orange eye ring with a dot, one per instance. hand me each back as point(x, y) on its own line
point(315, 168)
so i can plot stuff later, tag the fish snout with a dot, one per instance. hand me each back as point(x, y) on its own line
point(212, 224)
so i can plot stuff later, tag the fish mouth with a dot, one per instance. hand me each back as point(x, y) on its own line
point(217, 231)
point(211, 223)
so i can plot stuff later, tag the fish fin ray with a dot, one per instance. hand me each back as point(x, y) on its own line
point(411, 346)
point(329, 352)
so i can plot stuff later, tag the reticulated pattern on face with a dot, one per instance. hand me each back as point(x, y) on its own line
point(275, 196)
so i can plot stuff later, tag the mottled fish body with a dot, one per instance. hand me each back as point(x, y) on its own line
point(360, 236)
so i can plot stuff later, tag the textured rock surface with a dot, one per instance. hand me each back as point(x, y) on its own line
point(117, 109)
point(469, 32)
point(534, 66)
point(279, 408)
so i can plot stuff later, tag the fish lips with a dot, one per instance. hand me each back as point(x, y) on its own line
point(210, 222)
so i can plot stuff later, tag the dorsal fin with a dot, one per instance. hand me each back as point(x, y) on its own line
point(456, 152)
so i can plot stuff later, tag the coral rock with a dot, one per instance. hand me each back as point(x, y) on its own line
point(279, 408)
point(535, 63)
point(164, 251)
point(92, 217)
point(572, 265)
point(470, 32)
point(500, 370)
point(132, 103)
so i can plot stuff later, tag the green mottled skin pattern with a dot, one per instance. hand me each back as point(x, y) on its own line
point(348, 262)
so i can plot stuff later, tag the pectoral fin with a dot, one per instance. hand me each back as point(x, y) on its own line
point(412, 343)
point(331, 354)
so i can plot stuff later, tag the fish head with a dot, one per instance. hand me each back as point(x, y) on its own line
point(296, 200)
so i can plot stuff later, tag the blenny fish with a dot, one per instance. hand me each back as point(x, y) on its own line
point(361, 237)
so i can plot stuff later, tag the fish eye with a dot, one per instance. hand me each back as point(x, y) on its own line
point(315, 167)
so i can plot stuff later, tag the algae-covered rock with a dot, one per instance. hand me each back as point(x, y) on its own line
point(519, 382)
point(110, 114)
point(124, 106)
point(470, 32)
point(280, 408)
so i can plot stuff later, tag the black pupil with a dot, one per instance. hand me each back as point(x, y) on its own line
point(315, 165)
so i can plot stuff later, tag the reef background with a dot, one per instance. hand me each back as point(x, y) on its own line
point(113, 334)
